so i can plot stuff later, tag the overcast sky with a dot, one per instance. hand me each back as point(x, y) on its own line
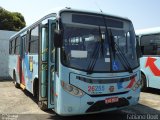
point(143, 13)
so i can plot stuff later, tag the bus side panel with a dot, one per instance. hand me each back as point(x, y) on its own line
point(143, 70)
point(29, 70)
point(149, 67)
point(13, 66)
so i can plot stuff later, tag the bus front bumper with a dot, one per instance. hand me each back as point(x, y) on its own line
point(71, 105)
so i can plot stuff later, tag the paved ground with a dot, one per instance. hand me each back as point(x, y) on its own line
point(16, 104)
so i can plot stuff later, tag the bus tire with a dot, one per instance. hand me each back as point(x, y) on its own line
point(15, 81)
point(42, 105)
point(144, 83)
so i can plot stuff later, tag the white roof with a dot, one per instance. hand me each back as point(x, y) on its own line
point(57, 11)
point(148, 31)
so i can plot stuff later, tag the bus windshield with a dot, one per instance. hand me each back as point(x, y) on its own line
point(87, 44)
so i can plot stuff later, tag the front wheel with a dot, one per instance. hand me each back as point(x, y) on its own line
point(144, 83)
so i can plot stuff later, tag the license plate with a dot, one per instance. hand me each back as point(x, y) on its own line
point(111, 100)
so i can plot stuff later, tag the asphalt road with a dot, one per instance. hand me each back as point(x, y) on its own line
point(16, 104)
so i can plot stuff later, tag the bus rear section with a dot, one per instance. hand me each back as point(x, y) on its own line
point(85, 62)
point(149, 40)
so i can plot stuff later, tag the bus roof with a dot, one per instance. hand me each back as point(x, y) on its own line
point(147, 31)
point(93, 12)
point(58, 11)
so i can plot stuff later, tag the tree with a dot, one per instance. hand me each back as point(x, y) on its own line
point(13, 21)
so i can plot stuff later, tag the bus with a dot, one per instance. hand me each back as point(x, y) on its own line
point(149, 40)
point(77, 62)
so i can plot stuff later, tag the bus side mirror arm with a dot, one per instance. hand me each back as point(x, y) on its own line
point(58, 41)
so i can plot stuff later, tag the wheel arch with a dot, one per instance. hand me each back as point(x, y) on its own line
point(143, 73)
point(35, 84)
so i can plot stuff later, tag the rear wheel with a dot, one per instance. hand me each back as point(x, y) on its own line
point(144, 82)
point(15, 81)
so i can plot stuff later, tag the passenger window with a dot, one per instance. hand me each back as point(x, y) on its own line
point(33, 43)
point(17, 46)
point(10, 47)
point(150, 44)
point(24, 43)
point(13, 46)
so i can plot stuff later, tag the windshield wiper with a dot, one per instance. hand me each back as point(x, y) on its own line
point(121, 55)
point(94, 60)
point(95, 54)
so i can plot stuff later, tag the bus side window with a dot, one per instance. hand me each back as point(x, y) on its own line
point(10, 47)
point(17, 46)
point(13, 46)
point(157, 43)
point(27, 43)
point(24, 44)
point(158, 50)
point(147, 45)
point(150, 44)
point(33, 42)
point(142, 50)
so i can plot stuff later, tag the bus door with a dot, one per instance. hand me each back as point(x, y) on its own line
point(51, 64)
point(46, 64)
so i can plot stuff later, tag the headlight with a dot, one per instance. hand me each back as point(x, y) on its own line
point(137, 85)
point(71, 89)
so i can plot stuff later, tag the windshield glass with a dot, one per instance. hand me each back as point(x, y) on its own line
point(87, 42)
point(125, 50)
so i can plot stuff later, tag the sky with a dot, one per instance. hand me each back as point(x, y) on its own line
point(143, 13)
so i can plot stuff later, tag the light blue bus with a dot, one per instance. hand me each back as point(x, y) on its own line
point(149, 40)
point(77, 62)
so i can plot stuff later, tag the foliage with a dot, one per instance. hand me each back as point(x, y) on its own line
point(12, 21)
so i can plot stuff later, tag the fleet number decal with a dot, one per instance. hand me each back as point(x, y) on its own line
point(96, 89)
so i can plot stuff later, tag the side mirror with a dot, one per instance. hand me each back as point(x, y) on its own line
point(58, 41)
